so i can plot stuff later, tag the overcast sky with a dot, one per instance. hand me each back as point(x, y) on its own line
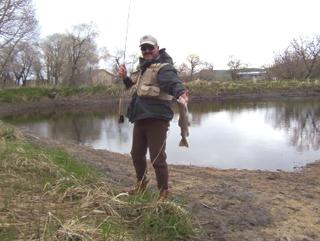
point(250, 30)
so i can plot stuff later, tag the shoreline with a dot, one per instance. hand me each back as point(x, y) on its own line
point(228, 204)
point(99, 102)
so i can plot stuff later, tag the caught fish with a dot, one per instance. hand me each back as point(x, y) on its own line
point(183, 123)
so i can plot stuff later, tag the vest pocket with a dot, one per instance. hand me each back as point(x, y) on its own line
point(132, 90)
point(148, 90)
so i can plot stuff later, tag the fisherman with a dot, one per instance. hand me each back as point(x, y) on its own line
point(153, 88)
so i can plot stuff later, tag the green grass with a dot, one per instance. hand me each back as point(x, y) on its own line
point(150, 219)
point(112, 90)
point(165, 221)
point(197, 88)
point(248, 86)
point(18, 95)
point(48, 195)
point(37, 167)
point(34, 94)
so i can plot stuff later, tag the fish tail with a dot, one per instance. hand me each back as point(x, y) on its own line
point(121, 119)
point(184, 142)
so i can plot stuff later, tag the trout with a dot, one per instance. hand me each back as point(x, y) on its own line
point(183, 123)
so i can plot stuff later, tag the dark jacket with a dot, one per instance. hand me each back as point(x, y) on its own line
point(169, 82)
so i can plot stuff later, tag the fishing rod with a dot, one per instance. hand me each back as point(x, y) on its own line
point(121, 116)
point(127, 30)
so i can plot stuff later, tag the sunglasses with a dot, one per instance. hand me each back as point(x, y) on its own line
point(147, 47)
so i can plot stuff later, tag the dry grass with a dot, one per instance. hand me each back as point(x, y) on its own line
point(216, 88)
point(45, 195)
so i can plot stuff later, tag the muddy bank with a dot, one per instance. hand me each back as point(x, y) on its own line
point(98, 102)
point(229, 205)
point(59, 104)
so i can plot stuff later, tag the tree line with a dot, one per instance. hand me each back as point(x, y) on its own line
point(64, 58)
point(70, 57)
point(300, 60)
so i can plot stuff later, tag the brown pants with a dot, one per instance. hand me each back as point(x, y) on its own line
point(150, 133)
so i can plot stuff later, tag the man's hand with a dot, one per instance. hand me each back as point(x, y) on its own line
point(122, 72)
point(183, 99)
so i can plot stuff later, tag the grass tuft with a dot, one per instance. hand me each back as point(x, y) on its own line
point(48, 195)
point(8, 133)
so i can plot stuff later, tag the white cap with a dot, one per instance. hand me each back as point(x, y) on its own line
point(148, 39)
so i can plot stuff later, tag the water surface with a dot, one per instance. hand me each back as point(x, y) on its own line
point(267, 135)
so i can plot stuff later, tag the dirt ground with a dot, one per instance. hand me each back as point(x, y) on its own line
point(229, 205)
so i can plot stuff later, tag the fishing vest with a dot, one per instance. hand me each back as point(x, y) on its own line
point(146, 84)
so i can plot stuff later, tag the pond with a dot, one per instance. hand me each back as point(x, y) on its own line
point(266, 135)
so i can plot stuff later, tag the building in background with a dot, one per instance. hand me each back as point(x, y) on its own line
point(101, 77)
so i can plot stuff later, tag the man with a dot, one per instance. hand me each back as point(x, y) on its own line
point(154, 86)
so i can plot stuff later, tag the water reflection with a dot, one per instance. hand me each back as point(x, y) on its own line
point(301, 122)
point(300, 118)
point(252, 135)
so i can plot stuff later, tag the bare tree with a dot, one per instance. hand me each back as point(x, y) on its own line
point(235, 65)
point(23, 58)
point(82, 51)
point(70, 57)
point(104, 55)
point(131, 62)
point(38, 69)
point(17, 23)
point(300, 60)
point(309, 53)
point(286, 65)
point(54, 48)
point(208, 66)
point(194, 62)
point(183, 70)
point(115, 60)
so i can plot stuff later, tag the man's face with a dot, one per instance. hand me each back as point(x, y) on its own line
point(149, 52)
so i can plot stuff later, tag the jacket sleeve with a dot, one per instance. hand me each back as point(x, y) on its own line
point(128, 82)
point(170, 82)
